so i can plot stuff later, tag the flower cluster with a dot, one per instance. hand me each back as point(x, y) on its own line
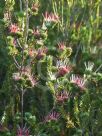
point(61, 46)
point(41, 53)
point(63, 68)
point(14, 28)
point(89, 66)
point(23, 131)
point(50, 17)
point(31, 52)
point(16, 76)
point(53, 115)
point(36, 32)
point(62, 96)
point(80, 82)
point(25, 71)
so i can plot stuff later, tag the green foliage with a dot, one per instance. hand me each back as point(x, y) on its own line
point(51, 67)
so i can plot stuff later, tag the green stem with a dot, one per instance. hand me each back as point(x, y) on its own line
point(22, 105)
point(20, 5)
point(97, 14)
point(27, 22)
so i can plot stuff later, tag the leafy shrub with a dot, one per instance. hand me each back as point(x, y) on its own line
point(51, 68)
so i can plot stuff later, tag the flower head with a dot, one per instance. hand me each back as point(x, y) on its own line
point(80, 82)
point(50, 17)
point(31, 52)
point(23, 131)
point(89, 66)
point(26, 71)
point(62, 96)
point(41, 53)
point(36, 32)
point(53, 115)
point(14, 28)
point(61, 46)
point(52, 75)
point(63, 68)
point(16, 76)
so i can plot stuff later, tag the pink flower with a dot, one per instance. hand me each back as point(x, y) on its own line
point(16, 76)
point(36, 32)
point(50, 17)
point(80, 82)
point(62, 96)
point(32, 80)
point(31, 52)
point(14, 28)
point(27, 72)
point(41, 53)
point(63, 70)
point(23, 132)
point(61, 46)
point(53, 115)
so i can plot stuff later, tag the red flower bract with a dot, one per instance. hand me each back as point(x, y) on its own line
point(63, 70)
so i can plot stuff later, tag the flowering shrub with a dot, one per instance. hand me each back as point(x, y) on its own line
point(51, 68)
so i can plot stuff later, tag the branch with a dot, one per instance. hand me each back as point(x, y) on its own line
point(27, 23)
point(98, 68)
point(77, 51)
point(16, 63)
point(19, 44)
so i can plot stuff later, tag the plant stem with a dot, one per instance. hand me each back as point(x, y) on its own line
point(27, 23)
point(22, 104)
point(20, 5)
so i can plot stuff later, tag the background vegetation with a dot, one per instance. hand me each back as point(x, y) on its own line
point(51, 67)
